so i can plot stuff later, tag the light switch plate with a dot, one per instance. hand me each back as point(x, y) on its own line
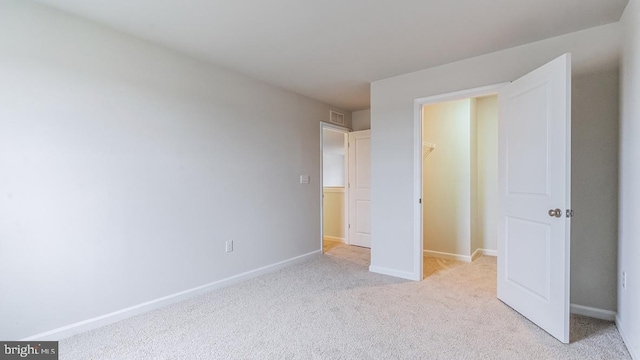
point(304, 179)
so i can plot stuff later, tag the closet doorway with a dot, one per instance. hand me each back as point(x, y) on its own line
point(534, 192)
point(459, 182)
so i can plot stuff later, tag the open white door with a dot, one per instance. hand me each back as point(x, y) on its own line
point(534, 182)
point(360, 188)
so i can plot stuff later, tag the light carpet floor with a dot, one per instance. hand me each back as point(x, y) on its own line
point(331, 307)
point(433, 265)
point(328, 244)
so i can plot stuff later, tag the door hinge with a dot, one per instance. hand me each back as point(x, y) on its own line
point(569, 213)
point(419, 201)
point(349, 226)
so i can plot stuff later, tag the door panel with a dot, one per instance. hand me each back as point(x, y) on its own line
point(534, 177)
point(526, 134)
point(360, 188)
point(529, 250)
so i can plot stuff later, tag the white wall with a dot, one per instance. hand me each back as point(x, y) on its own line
point(487, 152)
point(332, 170)
point(361, 120)
point(126, 166)
point(594, 189)
point(629, 230)
point(446, 175)
point(333, 158)
point(392, 123)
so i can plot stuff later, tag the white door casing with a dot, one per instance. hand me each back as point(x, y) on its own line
point(359, 191)
point(534, 178)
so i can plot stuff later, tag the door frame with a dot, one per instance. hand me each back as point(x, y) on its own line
point(418, 244)
point(345, 131)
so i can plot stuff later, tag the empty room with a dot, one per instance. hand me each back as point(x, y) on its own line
point(282, 179)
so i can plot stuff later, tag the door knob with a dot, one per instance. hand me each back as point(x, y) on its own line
point(555, 213)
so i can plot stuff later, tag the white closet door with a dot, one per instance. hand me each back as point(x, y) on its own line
point(534, 182)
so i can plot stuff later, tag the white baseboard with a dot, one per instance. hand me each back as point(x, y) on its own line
point(448, 256)
point(476, 254)
point(334, 238)
point(592, 312)
point(96, 322)
point(635, 353)
point(488, 252)
point(396, 273)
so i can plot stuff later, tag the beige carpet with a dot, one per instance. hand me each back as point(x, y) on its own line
point(328, 244)
point(434, 266)
point(331, 307)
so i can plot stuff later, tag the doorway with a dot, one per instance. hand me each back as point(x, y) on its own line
point(334, 191)
point(534, 190)
point(426, 151)
point(459, 182)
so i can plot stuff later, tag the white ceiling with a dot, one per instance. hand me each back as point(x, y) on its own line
point(331, 50)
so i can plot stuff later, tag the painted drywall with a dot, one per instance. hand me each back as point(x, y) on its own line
point(446, 174)
point(126, 167)
point(361, 120)
point(487, 157)
point(333, 158)
point(594, 189)
point(460, 191)
point(333, 212)
point(392, 121)
point(332, 170)
point(629, 227)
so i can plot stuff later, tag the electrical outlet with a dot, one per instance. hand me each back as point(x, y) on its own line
point(229, 246)
point(624, 280)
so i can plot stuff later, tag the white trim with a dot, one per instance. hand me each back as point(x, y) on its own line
point(476, 254)
point(334, 238)
point(488, 252)
point(96, 322)
point(396, 273)
point(418, 249)
point(334, 189)
point(331, 126)
point(635, 354)
point(592, 312)
point(448, 256)
point(418, 243)
point(345, 224)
